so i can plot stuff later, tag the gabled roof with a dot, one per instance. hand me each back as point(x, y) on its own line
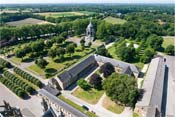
point(127, 71)
point(49, 113)
point(153, 85)
point(62, 104)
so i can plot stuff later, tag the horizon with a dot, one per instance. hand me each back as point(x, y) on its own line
point(86, 2)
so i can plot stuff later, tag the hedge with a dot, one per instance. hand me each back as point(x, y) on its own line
point(28, 77)
point(4, 63)
point(14, 88)
point(26, 87)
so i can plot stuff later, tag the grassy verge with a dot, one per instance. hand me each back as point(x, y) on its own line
point(112, 106)
point(77, 106)
point(167, 40)
point(91, 96)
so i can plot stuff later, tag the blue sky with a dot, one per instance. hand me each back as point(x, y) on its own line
point(85, 1)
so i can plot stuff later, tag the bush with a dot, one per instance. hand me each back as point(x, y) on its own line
point(83, 84)
point(18, 82)
point(14, 88)
point(28, 77)
point(107, 69)
point(170, 50)
point(4, 63)
point(96, 81)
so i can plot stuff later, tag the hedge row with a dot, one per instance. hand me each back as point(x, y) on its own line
point(26, 87)
point(14, 88)
point(4, 63)
point(28, 77)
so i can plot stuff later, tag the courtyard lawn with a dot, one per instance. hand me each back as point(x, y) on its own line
point(76, 106)
point(91, 96)
point(112, 106)
point(167, 40)
point(114, 20)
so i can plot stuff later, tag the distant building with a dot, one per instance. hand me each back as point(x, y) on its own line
point(149, 105)
point(82, 68)
point(90, 33)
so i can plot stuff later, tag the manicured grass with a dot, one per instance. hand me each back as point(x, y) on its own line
point(91, 96)
point(167, 40)
point(15, 60)
point(35, 69)
point(114, 20)
point(112, 106)
point(112, 52)
point(135, 115)
point(76, 106)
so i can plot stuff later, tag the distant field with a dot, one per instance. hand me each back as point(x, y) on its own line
point(27, 21)
point(65, 14)
point(167, 40)
point(114, 20)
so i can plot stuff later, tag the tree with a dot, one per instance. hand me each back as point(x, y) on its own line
point(83, 84)
point(70, 48)
point(102, 51)
point(82, 42)
point(107, 69)
point(96, 81)
point(41, 62)
point(20, 53)
point(170, 49)
point(148, 54)
point(122, 89)
point(52, 53)
point(60, 51)
point(155, 42)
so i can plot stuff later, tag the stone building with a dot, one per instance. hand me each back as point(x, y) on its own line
point(89, 64)
point(57, 107)
point(149, 105)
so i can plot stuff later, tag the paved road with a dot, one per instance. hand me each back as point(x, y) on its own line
point(98, 109)
point(169, 94)
point(31, 106)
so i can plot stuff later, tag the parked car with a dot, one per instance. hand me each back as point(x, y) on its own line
point(85, 107)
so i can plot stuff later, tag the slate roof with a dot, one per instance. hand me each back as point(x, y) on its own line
point(51, 90)
point(64, 105)
point(49, 113)
point(153, 85)
point(79, 67)
point(116, 63)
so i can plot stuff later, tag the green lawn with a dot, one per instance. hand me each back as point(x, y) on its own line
point(114, 20)
point(112, 106)
point(91, 96)
point(76, 106)
point(167, 40)
point(135, 115)
point(35, 69)
point(65, 14)
point(15, 60)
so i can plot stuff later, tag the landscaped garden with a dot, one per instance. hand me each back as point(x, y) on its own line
point(112, 106)
point(91, 96)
